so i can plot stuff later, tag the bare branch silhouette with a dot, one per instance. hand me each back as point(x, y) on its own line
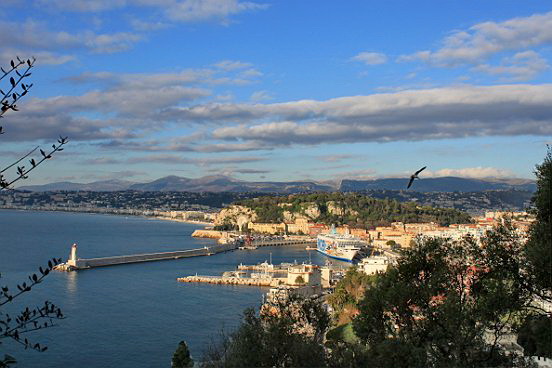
point(8, 102)
point(18, 161)
point(40, 317)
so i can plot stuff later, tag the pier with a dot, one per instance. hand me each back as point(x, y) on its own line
point(267, 274)
point(246, 281)
point(75, 263)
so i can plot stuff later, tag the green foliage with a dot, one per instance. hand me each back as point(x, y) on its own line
point(225, 227)
point(358, 210)
point(181, 357)
point(347, 294)
point(343, 333)
point(275, 339)
point(300, 280)
point(433, 307)
point(535, 335)
point(539, 246)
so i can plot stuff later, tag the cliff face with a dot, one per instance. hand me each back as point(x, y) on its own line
point(312, 210)
point(236, 215)
point(354, 209)
point(239, 215)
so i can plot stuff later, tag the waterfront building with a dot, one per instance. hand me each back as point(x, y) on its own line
point(300, 226)
point(266, 228)
point(374, 264)
point(304, 274)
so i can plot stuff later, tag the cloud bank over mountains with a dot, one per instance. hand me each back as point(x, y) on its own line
point(190, 82)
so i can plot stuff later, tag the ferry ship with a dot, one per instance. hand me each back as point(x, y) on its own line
point(343, 247)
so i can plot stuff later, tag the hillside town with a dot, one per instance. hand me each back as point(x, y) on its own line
point(397, 235)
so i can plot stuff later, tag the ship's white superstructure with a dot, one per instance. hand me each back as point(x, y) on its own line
point(342, 247)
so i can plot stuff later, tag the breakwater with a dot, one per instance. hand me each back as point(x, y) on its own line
point(75, 263)
point(246, 281)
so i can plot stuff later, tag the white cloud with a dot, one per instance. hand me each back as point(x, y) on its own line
point(335, 158)
point(172, 159)
point(362, 174)
point(229, 65)
point(520, 67)
point(258, 96)
point(123, 105)
point(485, 39)
point(84, 6)
point(145, 26)
point(42, 57)
point(109, 43)
point(370, 58)
point(250, 73)
point(177, 10)
point(200, 10)
point(36, 37)
point(473, 172)
point(438, 113)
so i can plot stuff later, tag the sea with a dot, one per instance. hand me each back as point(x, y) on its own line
point(127, 315)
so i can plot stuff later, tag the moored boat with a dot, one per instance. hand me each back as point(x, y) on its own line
point(343, 247)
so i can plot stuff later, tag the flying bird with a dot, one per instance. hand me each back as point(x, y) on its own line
point(415, 176)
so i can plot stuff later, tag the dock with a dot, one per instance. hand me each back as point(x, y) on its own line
point(264, 267)
point(267, 274)
point(245, 281)
point(74, 263)
point(282, 242)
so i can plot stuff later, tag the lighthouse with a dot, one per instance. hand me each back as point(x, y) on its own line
point(73, 256)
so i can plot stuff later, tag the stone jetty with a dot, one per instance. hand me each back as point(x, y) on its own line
point(246, 281)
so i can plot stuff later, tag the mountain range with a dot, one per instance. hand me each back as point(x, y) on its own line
point(219, 183)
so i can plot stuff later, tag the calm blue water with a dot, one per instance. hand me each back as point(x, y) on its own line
point(130, 315)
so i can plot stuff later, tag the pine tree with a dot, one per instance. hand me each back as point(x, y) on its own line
point(181, 357)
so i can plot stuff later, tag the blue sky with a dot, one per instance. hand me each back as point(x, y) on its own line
point(281, 90)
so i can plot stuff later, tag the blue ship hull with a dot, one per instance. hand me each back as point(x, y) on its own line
point(322, 247)
point(335, 257)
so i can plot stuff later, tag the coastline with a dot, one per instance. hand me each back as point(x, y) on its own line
point(205, 223)
point(105, 211)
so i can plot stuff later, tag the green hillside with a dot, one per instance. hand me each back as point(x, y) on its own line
point(353, 209)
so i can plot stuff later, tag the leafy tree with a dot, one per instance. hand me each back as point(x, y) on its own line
point(535, 336)
point(446, 304)
point(348, 293)
point(535, 333)
point(181, 357)
point(287, 333)
point(539, 246)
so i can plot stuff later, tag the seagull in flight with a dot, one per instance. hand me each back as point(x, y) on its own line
point(415, 176)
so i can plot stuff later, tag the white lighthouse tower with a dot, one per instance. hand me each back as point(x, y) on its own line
point(73, 256)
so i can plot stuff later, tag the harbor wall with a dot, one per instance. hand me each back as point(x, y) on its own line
point(149, 257)
point(245, 281)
